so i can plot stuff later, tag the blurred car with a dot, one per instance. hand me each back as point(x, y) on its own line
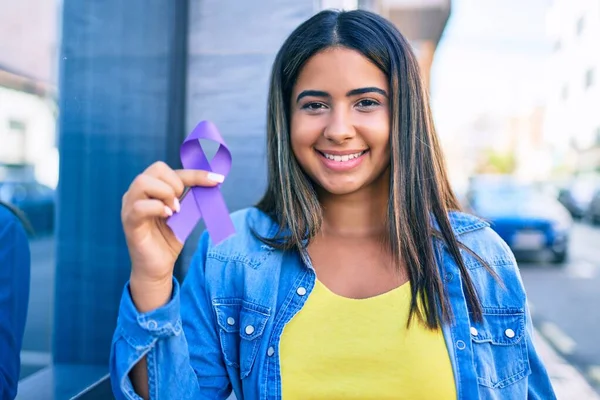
point(575, 201)
point(577, 196)
point(575, 208)
point(593, 211)
point(530, 221)
point(35, 200)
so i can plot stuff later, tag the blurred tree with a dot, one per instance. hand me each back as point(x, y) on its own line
point(494, 162)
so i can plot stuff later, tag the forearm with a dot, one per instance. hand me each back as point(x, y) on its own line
point(150, 295)
point(146, 296)
point(139, 378)
point(151, 358)
point(162, 370)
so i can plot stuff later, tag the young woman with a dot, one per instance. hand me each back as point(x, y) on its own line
point(14, 295)
point(355, 277)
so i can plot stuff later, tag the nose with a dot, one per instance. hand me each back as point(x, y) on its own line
point(339, 127)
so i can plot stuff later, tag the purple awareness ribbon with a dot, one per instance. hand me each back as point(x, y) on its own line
point(203, 202)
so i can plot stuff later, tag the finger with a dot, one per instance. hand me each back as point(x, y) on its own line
point(149, 187)
point(193, 177)
point(165, 173)
point(148, 208)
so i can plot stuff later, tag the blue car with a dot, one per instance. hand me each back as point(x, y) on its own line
point(530, 222)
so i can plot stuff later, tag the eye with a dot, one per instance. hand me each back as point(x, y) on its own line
point(367, 103)
point(313, 106)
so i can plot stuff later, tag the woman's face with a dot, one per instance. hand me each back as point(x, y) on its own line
point(340, 121)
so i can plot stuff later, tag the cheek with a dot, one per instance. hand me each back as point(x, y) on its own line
point(298, 145)
point(380, 137)
point(303, 135)
point(297, 137)
point(380, 147)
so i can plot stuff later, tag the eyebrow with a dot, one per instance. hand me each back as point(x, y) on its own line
point(353, 92)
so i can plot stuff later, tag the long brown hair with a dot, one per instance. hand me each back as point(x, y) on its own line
point(420, 193)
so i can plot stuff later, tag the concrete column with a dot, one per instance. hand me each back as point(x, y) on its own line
point(122, 95)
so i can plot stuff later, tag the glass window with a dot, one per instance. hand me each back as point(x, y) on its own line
point(557, 45)
point(589, 78)
point(580, 25)
point(13, 141)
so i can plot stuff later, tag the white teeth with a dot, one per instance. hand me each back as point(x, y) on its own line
point(343, 158)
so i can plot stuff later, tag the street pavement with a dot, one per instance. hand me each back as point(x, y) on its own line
point(568, 382)
point(564, 300)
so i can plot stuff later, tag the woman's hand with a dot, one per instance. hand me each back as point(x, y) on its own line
point(152, 197)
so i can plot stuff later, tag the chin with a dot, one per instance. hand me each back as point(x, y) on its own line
point(340, 189)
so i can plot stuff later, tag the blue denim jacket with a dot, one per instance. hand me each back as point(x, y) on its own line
point(221, 331)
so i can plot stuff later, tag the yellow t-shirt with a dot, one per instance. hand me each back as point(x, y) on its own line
point(341, 348)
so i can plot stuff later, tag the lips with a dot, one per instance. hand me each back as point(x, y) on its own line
point(342, 156)
point(342, 161)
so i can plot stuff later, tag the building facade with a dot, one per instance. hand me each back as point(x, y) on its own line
point(573, 117)
point(422, 22)
point(28, 77)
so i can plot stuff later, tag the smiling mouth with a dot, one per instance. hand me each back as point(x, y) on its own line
point(342, 158)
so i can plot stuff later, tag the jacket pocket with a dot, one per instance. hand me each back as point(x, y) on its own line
point(241, 326)
point(500, 347)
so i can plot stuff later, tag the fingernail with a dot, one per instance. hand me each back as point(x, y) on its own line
point(212, 176)
point(168, 211)
point(177, 205)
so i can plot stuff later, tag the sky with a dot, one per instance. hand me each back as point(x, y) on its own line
point(490, 61)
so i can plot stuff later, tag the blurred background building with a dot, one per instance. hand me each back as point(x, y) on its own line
point(573, 80)
point(28, 79)
point(422, 22)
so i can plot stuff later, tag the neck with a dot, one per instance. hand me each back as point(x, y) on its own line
point(361, 214)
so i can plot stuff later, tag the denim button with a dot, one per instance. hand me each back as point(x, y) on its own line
point(249, 330)
point(460, 345)
point(177, 329)
point(152, 324)
point(301, 291)
point(448, 277)
point(474, 331)
point(270, 351)
point(509, 333)
point(230, 321)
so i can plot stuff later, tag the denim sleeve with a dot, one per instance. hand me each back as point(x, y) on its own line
point(539, 386)
point(14, 299)
point(180, 342)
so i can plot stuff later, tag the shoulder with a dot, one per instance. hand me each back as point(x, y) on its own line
point(10, 225)
point(243, 245)
point(14, 243)
point(239, 266)
point(6, 216)
point(481, 247)
point(478, 236)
